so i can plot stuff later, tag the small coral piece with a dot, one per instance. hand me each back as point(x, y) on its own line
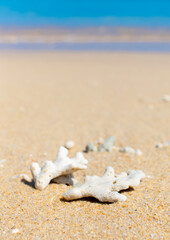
point(22, 176)
point(107, 187)
point(15, 230)
point(1, 162)
point(166, 98)
point(100, 140)
point(69, 144)
point(107, 144)
point(161, 145)
point(90, 147)
point(130, 150)
point(62, 166)
point(65, 179)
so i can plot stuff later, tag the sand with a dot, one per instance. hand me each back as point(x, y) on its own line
point(48, 98)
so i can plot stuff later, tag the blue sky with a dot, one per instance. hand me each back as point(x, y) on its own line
point(85, 12)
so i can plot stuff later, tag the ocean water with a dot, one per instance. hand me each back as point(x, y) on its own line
point(80, 14)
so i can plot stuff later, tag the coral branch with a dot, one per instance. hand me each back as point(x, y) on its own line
point(107, 144)
point(106, 188)
point(63, 165)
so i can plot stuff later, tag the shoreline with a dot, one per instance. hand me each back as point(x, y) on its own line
point(101, 47)
point(84, 35)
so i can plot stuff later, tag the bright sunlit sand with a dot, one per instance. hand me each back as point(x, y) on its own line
point(47, 99)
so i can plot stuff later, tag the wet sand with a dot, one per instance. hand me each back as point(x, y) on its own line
point(49, 98)
point(84, 35)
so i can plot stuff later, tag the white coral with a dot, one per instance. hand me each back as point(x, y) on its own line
point(63, 165)
point(69, 144)
point(65, 179)
point(131, 150)
point(161, 145)
point(22, 176)
point(107, 187)
point(166, 98)
point(1, 162)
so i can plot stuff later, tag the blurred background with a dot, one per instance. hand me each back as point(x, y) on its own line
point(86, 24)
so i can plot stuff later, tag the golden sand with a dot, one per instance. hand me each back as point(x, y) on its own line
point(49, 98)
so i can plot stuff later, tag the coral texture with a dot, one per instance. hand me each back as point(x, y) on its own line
point(63, 166)
point(161, 145)
point(107, 187)
point(90, 147)
point(166, 98)
point(107, 144)
point(22, 176)
point(65, 179)
point(131, 150)
point(69, 144)
point(1, 162)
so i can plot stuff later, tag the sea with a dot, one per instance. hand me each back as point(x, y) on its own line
point(150, 15)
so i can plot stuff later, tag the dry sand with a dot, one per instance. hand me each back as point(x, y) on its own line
point(49, 98)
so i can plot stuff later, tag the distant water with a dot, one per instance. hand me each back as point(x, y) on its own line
point(79, 13)
point(123, 46)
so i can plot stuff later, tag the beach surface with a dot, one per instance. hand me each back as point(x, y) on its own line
point(47, 98)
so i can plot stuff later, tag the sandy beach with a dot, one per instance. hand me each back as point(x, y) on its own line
point(47, 98)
